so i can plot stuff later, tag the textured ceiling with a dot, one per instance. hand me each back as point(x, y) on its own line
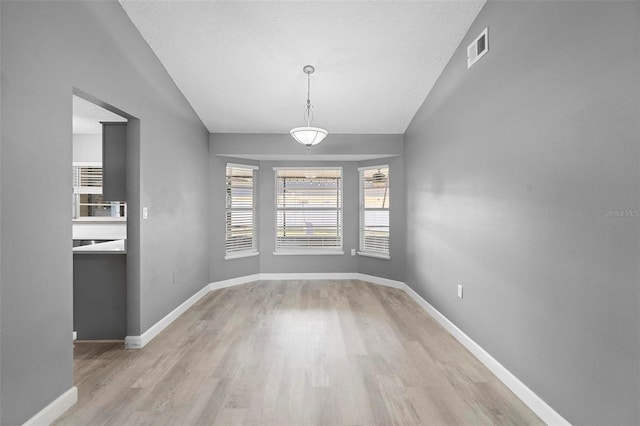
point(87, 117)
point(240, 63)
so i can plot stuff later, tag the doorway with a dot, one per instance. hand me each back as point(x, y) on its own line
point(99, 221)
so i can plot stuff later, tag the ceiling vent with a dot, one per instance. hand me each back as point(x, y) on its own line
point(478, 48)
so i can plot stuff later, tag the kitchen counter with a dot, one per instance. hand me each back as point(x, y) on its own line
point(99, 295)
point(107, 247)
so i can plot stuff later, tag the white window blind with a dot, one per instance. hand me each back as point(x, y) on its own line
point(87, 179)
point(241, 210)
point(374, 210)
point(308, 209)
point(87, 194)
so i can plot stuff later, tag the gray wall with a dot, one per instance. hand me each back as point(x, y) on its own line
point(277, 146)
point(512, 168)
point(1, 191)
point(134, 222)
point(48, 48)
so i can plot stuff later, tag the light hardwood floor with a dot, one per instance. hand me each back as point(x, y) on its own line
point(293, 353)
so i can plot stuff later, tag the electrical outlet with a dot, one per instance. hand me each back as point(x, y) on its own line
point(353, 252)
point(175, 277)
point(460, 291)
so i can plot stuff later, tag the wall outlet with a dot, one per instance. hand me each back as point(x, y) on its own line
point(175, 277)
point(460, 291)
point(353, 252)
point(145, 213)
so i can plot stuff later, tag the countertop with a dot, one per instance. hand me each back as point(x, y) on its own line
point(109, 247)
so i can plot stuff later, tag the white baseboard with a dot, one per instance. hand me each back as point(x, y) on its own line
point(55, 409)
point(309, 276)
point(138, 342)
point(382, 281)
point(233, 282)
point(533, 401)
point(284, 276)
point(133, 342)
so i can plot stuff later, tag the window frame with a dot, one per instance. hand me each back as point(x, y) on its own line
point(313, 251)
point(254, 251)
point(362, 209)
point(93, 189)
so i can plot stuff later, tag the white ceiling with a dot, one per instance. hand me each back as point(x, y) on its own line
point(87, 117)
point(239, 63)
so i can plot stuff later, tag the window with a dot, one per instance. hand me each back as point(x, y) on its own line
point(87, 194)
point(374, 211)
point(308, 210)
point(240, 237)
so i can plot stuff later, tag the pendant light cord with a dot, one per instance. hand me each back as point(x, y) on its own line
point(308, 116)
point(307, 135)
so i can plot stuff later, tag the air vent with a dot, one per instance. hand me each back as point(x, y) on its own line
point(478, 48)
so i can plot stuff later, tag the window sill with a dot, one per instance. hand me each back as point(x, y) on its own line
point(308, 253)
point(376, 255)
point(241, 255)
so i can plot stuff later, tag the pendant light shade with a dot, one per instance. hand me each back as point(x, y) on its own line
point(307, 135)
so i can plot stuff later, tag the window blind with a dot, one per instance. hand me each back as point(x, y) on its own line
point(374, 210)
point(308, 208)
point(87, 179)
point(241, 209)
point(87, 193)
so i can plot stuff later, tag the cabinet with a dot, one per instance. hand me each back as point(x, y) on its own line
point(114, 161)
point(100, 296)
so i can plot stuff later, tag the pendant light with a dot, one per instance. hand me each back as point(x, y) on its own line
point(307, 135)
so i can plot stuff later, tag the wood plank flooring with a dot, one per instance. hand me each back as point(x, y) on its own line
point(293, 353)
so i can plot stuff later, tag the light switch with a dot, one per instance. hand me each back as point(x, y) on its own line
point(145, 213)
